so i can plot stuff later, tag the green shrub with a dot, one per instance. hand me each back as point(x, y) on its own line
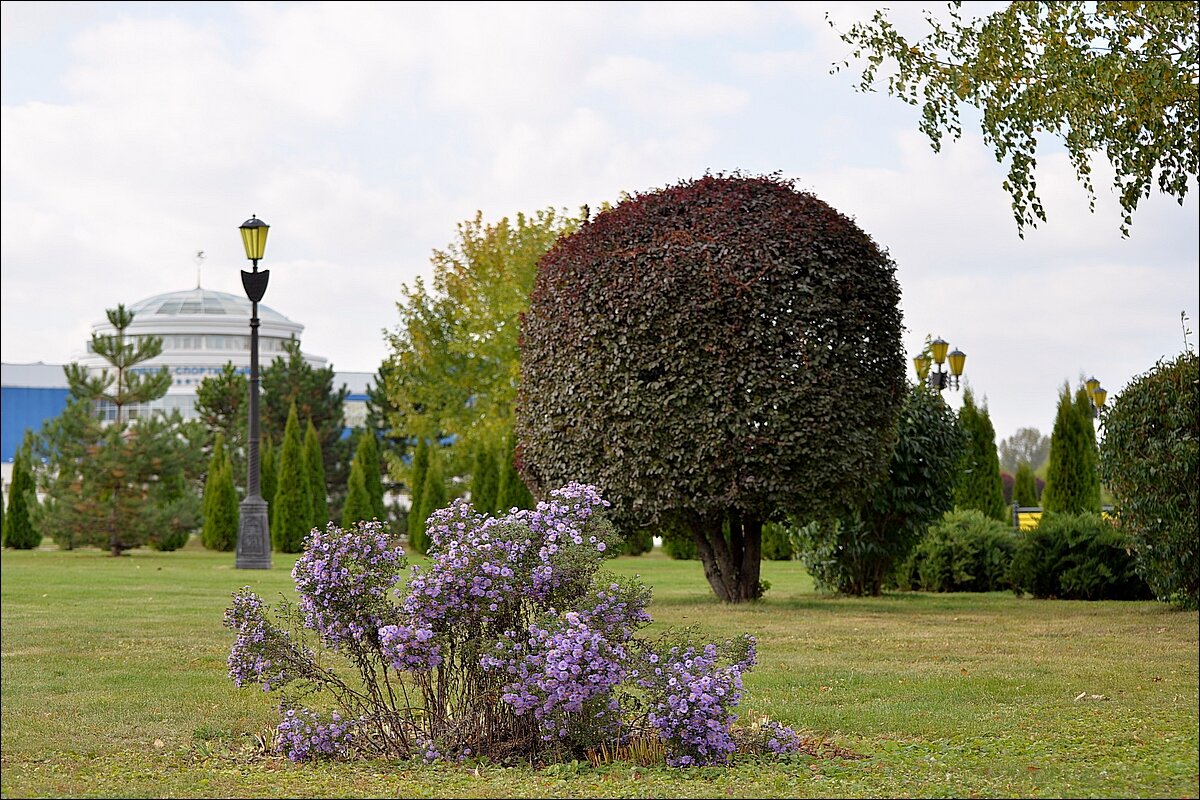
point(777, 543)
point(1077, 556)
point(637, 542)
point(678, 544)
point(1149, 460)
point(966, 551)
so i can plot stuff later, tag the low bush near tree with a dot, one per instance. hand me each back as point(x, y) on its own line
point(1076, 557)
point(512, 645)
point(965, 551)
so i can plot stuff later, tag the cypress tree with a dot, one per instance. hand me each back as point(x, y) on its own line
point(268, 470)
point(1073, 476)
point(19, 531)
point(433, 497)
point(979, 483)
point(314, 465)
point(1025, 486)
point(485, 480)
point(358, 499)
point(220, 500)
point(367, 455)
point(420, 466)
point(293, 506)
point(512, 491)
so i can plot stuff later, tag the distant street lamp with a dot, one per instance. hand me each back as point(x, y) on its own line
point(254, 534)
point(940, 379)
point(1096, 394)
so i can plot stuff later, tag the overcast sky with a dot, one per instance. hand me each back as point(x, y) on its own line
point(136, 134)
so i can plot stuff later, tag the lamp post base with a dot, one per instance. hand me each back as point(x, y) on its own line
point(254, 535)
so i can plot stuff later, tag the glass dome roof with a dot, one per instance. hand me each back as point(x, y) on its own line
point(199, 301)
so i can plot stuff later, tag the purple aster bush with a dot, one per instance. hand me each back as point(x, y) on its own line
point(512, 643)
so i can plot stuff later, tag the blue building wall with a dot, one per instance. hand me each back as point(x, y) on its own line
point(26, 408)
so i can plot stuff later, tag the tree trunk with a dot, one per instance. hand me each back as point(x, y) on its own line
point(730, 548)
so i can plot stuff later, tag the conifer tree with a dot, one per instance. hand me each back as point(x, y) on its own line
point(433, 497)
point(268, 468)
point(1073, 476)
point(1025, 486)
point(290, 524)
point(314, 463)
point(420, 466)
point(512, 491)
point(358, 499)
point(20, 532)
point(220, 501)
point(367, 454)
point(979, 483)
point(485, 480)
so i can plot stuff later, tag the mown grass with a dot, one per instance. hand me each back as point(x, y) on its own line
point(114, 685)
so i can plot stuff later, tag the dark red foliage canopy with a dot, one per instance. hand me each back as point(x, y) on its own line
point(727, 345)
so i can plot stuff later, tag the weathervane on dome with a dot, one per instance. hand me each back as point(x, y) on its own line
point(199, 263)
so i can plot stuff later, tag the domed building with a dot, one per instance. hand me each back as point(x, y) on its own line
point(202, 330)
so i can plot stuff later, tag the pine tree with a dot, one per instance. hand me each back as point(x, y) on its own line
point(358, 499)
point(420, 466)
point(290, 524)
point(220, 501)
point(485, 480)
point(511, 491)
point(1073, 476)
point(314, 464)
point(367, 455)
point(979, 483)
point(19, 530)
point(268, 471)
point(1025, 486)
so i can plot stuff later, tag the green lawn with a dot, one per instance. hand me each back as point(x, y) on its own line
point(114, 684)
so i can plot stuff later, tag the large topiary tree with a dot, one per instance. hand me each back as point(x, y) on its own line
point(1150, 459)
point(220, 528)
point(979, 485)
point(1073, 477)
point(715, 354)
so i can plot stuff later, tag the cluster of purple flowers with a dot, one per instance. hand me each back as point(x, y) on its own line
point(692, 695)
point(510, 605)
point(250, 658)
point(343, 579)
point(303, 735)
point(568, 662)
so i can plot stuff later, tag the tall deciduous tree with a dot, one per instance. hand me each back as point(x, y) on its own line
point(1117, 79)
point(454, 360)
point(1073, 477)
point(979, 485)
point(718, 354)
point(291, 519)
point(1150, 458)
point(20, 532)
point(1027, 445)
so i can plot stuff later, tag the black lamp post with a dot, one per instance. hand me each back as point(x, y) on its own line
point(254, 534)
point(940, 379)
point(1097, 394)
